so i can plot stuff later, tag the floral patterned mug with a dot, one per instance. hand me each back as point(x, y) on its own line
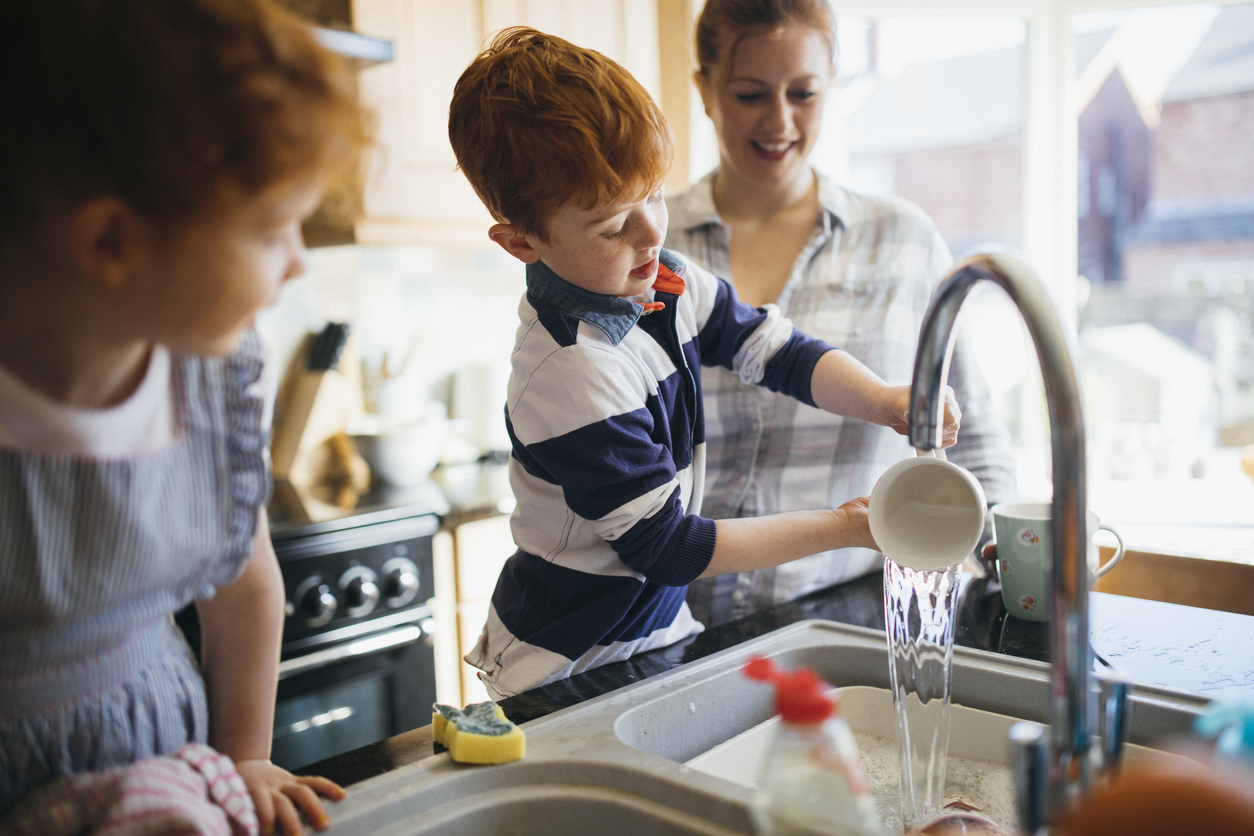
point(1021, 530)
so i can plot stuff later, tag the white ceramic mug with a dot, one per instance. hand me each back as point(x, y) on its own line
point(1021, 530)
point(927, 512)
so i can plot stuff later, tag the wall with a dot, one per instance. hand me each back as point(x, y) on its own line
point(431, 311)
point(1196, 156)
point(1116, 148)
point(971, 193)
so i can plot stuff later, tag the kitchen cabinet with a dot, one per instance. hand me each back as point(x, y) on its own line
point(409, 191)
point(468, 558)
point(472, 545)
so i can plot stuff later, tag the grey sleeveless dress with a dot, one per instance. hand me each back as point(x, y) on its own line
point(95, 556)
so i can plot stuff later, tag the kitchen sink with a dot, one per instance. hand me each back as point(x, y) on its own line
point(673, 754)
point(533, 796)
point(978, 767)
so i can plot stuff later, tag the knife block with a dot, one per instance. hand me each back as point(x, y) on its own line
point(315, 407)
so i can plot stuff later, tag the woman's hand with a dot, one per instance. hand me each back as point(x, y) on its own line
point(277, 794)
point(896, 413)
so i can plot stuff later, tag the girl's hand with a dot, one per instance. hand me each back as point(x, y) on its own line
point(277, 794)
point(896, 412)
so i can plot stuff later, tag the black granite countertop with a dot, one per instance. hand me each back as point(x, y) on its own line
point(1203, 652)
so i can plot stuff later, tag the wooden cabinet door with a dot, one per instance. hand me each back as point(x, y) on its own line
point(412, 192)
point(624, 30)
point(481, 549)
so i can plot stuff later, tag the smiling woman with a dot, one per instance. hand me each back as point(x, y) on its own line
point(855, 270)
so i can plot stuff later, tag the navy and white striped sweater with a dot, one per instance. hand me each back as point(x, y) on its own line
point(608, 466)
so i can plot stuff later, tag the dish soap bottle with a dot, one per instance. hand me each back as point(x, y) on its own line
point(812, 780)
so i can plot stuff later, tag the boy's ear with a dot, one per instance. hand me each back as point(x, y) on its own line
point(514, 242)
point(106, 240)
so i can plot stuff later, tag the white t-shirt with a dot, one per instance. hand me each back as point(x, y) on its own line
point(143, 424)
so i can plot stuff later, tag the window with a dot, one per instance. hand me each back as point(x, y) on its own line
point(1113, 145)
point(1166, 266)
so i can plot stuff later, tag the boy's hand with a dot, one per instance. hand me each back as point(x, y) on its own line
point(856, 524)
point(277, 794)
point(897, 413)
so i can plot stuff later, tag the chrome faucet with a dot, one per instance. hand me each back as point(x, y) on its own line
point(1051, 778)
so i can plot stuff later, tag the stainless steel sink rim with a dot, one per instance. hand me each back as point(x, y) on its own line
point(603, 751)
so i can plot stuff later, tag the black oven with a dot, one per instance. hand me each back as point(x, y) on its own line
point(358, 661)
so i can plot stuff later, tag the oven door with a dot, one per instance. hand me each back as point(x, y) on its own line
point(357, 691)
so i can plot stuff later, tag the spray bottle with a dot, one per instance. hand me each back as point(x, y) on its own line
point(812, 780)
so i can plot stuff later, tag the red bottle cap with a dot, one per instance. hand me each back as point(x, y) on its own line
point(800, 695)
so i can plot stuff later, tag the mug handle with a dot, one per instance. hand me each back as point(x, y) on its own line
point(936, 453)
point(1118, 555)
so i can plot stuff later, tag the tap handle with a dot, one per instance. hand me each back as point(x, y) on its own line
point(1029, 758)
point(1116, 717)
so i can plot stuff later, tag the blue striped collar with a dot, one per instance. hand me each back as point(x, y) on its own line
point(611, 314)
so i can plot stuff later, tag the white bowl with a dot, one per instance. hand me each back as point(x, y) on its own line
point(404, 454)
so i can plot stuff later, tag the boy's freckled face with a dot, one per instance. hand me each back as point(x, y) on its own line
point(211, 277)
point(606, 249)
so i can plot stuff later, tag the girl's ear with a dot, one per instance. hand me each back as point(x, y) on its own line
point(514, 242)
point(107, 240)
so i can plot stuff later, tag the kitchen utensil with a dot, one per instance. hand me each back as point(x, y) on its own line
point(1021, 530)
point(926, 512)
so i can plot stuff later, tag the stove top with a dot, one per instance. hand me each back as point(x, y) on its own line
point(355, 575)
point(384, 502)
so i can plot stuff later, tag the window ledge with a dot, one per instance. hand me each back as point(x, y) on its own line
point(1213, 583)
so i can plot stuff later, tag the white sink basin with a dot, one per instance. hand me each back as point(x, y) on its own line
point(978, 767)
point(635, 760)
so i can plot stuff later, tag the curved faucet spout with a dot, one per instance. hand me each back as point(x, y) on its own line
point(1070, 653)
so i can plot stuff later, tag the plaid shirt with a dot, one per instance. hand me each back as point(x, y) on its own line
point(862, 283)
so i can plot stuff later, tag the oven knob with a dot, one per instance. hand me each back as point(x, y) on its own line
point(401, 581)
point(316, 602)
point(360, 591)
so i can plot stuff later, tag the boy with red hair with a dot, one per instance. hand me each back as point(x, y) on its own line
point(568, 152)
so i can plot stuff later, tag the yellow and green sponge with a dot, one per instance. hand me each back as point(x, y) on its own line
point(479, 733)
